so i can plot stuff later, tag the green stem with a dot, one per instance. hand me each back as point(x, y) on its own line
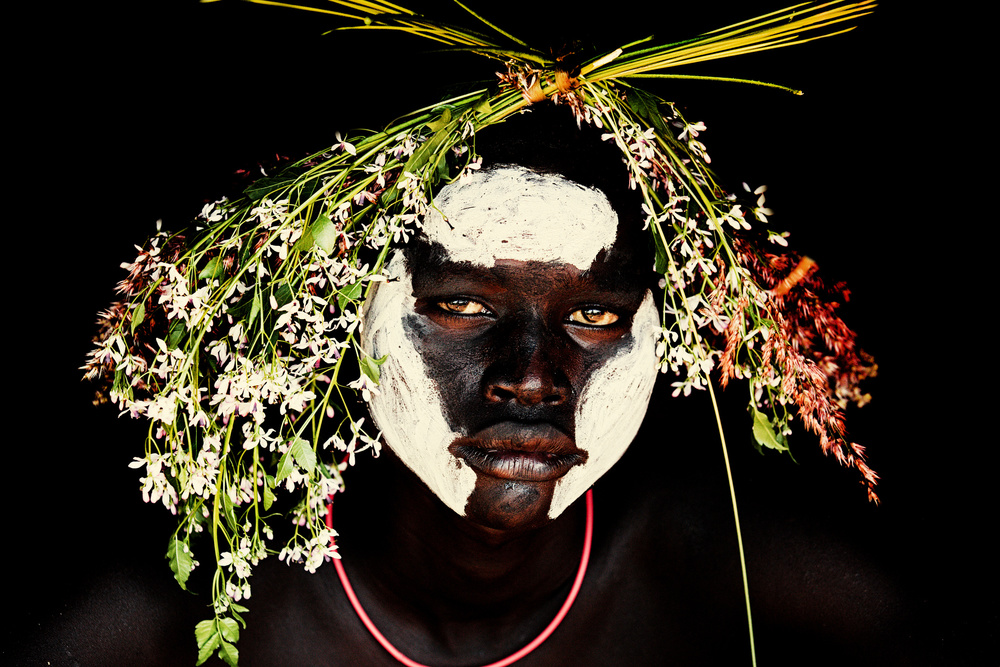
point(218, 488)
point(736, 516)
point(727, 79)
point(492, 26)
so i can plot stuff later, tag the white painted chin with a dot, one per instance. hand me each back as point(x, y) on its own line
point(408, 409)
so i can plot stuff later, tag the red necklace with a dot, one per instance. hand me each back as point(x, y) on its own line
point(398, 655)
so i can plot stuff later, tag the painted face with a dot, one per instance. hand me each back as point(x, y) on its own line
point(521, 342)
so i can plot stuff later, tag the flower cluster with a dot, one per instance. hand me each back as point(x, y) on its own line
point(231, 343)
point(764, 317)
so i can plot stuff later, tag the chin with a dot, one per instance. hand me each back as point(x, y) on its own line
point(509, 505)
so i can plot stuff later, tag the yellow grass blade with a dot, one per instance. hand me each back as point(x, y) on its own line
point(775, 30)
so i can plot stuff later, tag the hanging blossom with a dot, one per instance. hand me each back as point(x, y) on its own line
point(225, 349)
point(725, 309)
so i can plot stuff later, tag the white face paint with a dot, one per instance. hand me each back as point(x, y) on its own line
point(408, 407)
point(514, 213)
point(507, 213)
point(611, 407)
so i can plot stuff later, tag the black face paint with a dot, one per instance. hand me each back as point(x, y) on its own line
point(510, 349)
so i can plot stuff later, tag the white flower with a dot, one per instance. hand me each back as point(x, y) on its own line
point(343, 145)
point(690, 129)
point(215, 211)
point(780, 239)
point(367, 386)
point(474, 165)
point(377, 169)
point(736, 218)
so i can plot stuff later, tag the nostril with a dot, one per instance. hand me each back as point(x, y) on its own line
point(525, 393)
point(500, 394)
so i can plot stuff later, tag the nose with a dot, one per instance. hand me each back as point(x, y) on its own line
point(528, 371)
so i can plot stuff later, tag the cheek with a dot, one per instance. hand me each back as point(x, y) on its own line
point(455, 365)
point(612, 406)
point(408, 410)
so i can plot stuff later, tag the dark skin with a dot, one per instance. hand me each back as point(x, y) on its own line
point(513, 345)
point(510, 348)
point(663, 587)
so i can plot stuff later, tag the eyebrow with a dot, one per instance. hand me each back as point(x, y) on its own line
point(430, 261)
point(467, 278)
point(445, 273)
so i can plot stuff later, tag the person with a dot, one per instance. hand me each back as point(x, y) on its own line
point(520, 332)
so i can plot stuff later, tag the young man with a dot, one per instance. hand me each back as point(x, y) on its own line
point(520, 327)
point(520, 330)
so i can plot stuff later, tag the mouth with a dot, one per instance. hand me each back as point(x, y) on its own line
point(520, 451)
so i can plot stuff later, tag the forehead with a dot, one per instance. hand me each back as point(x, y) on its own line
point(513, 213)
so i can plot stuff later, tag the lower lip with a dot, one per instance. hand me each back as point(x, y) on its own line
point(520, 466)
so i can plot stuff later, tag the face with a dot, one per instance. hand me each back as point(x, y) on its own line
point(521, 341)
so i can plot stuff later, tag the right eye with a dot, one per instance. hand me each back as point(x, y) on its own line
point(594, 317)
point(463, 306)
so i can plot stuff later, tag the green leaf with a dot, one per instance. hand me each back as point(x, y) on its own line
point(181, 562)
point(138, 315)
point(660, 255)
point(483, 106)
point(175, 334)
point(440, 141)
point(638, 101)
point(303, 453)
point(283, 294)
point(324, 233)
point(350, 293)
point(204, 631)
point(228, 513)
point(305, 188)
point(229, 654)
point(304, 243)
point(254, 308)
point(441, 121)
point(647, 107)
point(208, 640)
point(269, 497)
point(265, 186)
point(443, 169)
point(370, 366)
point(285, 466)
point(764, 433)
point(206, 651)
point(213, 269)
point(230, 629)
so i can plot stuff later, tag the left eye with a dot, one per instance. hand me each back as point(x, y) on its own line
point(594, 317)
point(463, 307)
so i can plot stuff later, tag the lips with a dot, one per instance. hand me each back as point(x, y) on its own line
point(528, 452)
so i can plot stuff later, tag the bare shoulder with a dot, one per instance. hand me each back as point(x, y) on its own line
point(822, 584)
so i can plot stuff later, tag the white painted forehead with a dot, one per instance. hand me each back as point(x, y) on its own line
point(515, 213)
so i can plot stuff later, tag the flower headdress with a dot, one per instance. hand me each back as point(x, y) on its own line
point(231, 339)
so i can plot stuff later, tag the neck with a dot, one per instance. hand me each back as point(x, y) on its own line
point(417, 561)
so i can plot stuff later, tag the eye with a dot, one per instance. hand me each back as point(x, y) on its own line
point(593, 316)
point(463, 306)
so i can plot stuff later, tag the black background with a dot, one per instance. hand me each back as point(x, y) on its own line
point(129, 113)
